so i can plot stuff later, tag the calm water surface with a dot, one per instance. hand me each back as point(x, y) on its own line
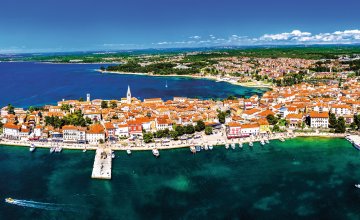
point(24, 84)
point(302, 178)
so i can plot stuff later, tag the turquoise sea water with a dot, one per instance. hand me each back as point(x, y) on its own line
point(302, 178)
point(25, 83)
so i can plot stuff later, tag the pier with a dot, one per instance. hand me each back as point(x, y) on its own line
point(102, 164)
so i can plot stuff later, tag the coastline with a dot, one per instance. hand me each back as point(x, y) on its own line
point(173, 144)
point(251, 84)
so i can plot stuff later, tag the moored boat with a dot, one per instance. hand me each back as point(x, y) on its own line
point(357, 186)
point(128, 151)
point(156, 152)
point(192, 149)
point(262, 142)
point(251, 144)
point(211, 147)
point(112, 154)
point(32, 148)
point(227, 146)
point(233, 146)
point(198, 148)
point(267, 141)
point(52, 150)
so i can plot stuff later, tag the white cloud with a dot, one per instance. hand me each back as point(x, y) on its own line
point(196, 37)
point(294, 35)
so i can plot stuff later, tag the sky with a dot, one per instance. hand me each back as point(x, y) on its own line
point(74, 25)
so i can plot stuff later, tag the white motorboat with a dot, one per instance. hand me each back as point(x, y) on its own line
point(84, 150)
point(128, 151)
point(227, 146)
point(282, 139)
point(251, 144)
point(58, 149)
point(240, 145)
point(52, 150)
point(262, 142)
point(267, 141)
point(206, 147)
point(233, 146)
point(211, 147)
point(156, 152)
point(357, 186)
point(32, 148)
point(193, 149)
point(112, 154)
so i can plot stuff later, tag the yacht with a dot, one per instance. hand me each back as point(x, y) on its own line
point(58, 149)
point(52, 149)
point(9, 200)
point(233, 146)
point(251, 144)
point(198, 148)
point(227, 146)
point(32, 148)
point(155, 152)
point(128, 151)
point(193, 149)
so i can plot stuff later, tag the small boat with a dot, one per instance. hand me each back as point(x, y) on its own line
point(112, 154)
point(251, 144)
point(240, 144)
point(198, 148)
point(206, 147)
point(9, 200)
point(227, 146)
point(58, 149)
point(262, 142)
point(282, 139)
point(128, 151)
point(267, 141)
point(193, 149)
point(357, 186)
point(155, 152)
point(84, 150)
point(52, 150)
point(233, 146)
point(32, 148)
point(211, 147)
point(166, 85)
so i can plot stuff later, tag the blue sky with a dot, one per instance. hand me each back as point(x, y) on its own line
point(70, 25)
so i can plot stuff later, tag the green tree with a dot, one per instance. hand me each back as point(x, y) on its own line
point(65, 107)
point(31, 109)
point(332, 120)
point(11, 109)
point(189, 129)
point(208, 130)
point(272, 119)
point(276, 128)
point(113, 104)
point(353, 126)
point(174, 135)
point(200, 125)
point(104, 104)
point(340, 126)
point(148, 137)
point(81, 99)
point(221, 117)
point(180, 130)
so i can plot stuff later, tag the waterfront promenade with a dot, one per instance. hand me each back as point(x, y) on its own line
point(102, 164)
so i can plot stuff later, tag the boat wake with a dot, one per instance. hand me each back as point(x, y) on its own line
point(44, 205)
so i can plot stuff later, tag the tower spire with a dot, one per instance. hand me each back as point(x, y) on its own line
point(128, 95)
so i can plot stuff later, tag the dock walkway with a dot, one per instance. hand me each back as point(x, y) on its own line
point(102, 164)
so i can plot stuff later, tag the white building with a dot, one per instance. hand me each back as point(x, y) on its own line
point(95, 134)
point(11, 131)
point(319, 120)
point(73, 134)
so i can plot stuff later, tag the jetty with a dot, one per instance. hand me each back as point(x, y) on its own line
point(355, 140)
point(102, 164)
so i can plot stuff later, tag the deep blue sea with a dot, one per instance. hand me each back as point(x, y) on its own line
point(302, 178)
point(25, 84)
